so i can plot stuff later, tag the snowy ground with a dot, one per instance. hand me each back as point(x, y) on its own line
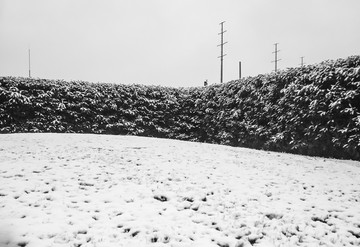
point(97, 190)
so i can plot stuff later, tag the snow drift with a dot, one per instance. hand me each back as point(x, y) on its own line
point(103, 190)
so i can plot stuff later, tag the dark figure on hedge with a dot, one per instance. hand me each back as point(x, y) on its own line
point(205, 83)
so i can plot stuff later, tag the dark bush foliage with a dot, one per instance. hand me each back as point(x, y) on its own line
point(312, 110)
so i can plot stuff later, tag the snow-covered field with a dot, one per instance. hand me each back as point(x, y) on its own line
point(101, 190)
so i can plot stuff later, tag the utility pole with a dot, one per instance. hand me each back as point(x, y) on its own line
point(239, 70)
point(302, 61)
point(276, 57)
point(222, 50)
point(29, 65)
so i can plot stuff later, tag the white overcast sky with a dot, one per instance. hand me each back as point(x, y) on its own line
point(171, 42)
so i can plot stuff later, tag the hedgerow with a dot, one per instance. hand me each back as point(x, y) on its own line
point(312, 110)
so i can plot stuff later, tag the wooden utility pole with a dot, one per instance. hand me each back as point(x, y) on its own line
point(239, 70)
point(29, 65)
point(276, 56)
point(302, 61)
point(222, 50)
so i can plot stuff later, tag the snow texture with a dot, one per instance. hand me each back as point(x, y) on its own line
point(101, 190)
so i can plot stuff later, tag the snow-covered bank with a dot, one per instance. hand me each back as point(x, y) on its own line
point(99, 190)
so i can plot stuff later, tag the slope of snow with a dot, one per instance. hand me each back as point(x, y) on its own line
point(101, 190)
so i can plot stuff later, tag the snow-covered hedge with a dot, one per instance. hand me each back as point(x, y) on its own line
point(313, 110)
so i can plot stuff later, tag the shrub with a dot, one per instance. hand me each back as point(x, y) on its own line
point(312, 110)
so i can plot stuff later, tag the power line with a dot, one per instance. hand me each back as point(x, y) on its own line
point(222, 50)
point(276, 56)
